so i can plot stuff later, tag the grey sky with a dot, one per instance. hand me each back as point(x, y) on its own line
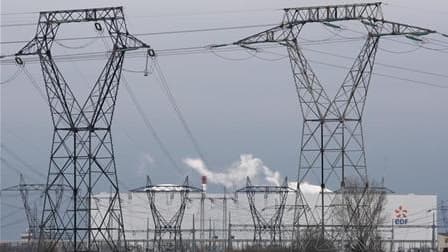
point(234, 106)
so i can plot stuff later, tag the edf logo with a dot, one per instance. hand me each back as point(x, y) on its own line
point(401, 216)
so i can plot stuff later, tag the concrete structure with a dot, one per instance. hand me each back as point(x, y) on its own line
point(443, 242)
point(409, 218)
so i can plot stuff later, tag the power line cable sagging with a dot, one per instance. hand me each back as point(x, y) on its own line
point(166, 88)
point(12, 77)
point(215, 50)
point(163, 83)
point(151, 128)
point(22, 162)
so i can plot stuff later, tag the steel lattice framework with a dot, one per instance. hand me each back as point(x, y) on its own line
point(332, 146)
point(170, 227)
point(82, 153)
point(273, 225)
point(31, 211)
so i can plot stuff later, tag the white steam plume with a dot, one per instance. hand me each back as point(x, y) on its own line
point(235, 174)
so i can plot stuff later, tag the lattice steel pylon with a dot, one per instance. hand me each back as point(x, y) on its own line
point(332, 146)
point(82, 151)
point(167, 227)
point(262, 225)
point(31, 210)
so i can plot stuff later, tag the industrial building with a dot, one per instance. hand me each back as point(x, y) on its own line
point(409, 220)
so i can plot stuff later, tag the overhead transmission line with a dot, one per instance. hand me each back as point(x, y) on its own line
point(23, 162)
point(34, 83)
point(149, 126)
point(18, 24)
point(164, 84)
point(206, 49)
point(18, 171)
point(97, 55)
point(8, 164)
point(146, 120)
point(378, 63)
point(18, 13)
point(239, 27)
point(377, 73)
point(13, 76)
point(385, 75)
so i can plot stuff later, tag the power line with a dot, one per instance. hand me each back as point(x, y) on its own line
point(147, 122)
point(419, 9)
point(164, 84)
point(18, 13)
point(20, 160)
point(90, 42)
point(205, 30)
point(8, 215)
point(11, 205)
point(34, 83)
point(10, 166)
point(13, 76)
point(414, 70)
point(205, 49)
point(13, 223)
point(158, 33)
point(166, 15)
point(149, 126)
point(161, 52)
point(18, 24)
point(401, 52)
point(386, 75)
point(383, 74)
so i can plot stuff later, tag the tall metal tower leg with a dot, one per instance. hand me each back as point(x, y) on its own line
point(332, 146)
point(314, 103)
point(332, 139)
point(82, 154)
point(350, 101)
point(303, 218)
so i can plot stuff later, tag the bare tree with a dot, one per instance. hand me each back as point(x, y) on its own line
point(359, 213)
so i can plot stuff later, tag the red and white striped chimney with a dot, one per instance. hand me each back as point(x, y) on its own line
point(204, 183)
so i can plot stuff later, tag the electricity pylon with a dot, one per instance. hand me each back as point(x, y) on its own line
point(262, 225)
point(167, 229)
point(30, 209)
point(332, 146)
point(82, 152)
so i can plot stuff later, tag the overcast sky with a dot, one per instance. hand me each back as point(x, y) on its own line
point(235, 103)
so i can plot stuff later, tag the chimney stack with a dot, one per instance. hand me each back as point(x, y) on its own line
point(204, 183)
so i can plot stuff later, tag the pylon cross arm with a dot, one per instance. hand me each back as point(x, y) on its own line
point(381, 28)
point(295, 18)
point(50, 21)
point(331, 13)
